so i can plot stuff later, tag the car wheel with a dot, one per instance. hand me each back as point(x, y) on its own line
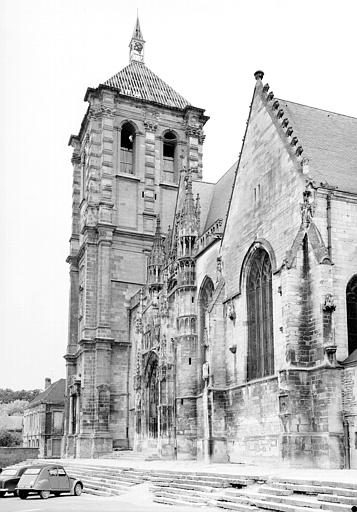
point(77, 490)
point(44, 495)
point(22, 495)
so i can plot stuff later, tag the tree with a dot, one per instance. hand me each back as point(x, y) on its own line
point(8, 438)
point(15, 408)
point(8, 395)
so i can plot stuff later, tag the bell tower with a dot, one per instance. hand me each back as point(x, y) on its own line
point(135, 135)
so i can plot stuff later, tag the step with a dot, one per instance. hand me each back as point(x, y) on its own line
point(289, 500)
point(179, 497)
point(96, 492)
point(321, 483)
point(110, 478)
point(191, 487)
point(169, 501)
point(281, 507)
point(185, 492)
point(335, 507)
point(334, 498)
point(95, 487)
point(108, 486)
point(236, 506)
point(273, 490)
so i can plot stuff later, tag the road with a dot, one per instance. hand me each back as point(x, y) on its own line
point(87, 503)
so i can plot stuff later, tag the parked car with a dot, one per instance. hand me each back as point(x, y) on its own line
point(46, 479)
point(9, 478)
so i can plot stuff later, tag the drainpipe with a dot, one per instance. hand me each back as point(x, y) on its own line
point(329, 227)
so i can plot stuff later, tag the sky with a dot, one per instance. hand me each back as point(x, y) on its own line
point(208, 51)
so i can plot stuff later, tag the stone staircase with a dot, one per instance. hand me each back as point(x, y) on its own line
point(194, 489)
point(207, 489)
point(284, 495)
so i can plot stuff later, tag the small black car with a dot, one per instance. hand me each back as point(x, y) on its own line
point(9, 478)
point(46, 479)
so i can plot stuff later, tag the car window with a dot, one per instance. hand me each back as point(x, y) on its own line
point(61, 472)
point(9, 472)
point(32, 471)
point(53, 472)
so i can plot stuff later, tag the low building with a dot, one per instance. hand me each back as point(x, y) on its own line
point(43, 420)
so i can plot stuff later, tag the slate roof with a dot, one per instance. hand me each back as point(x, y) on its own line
point(220, 198)
point(329, 141)
point(54, 394)
point(138, 81)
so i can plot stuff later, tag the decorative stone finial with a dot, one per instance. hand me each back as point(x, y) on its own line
point(259, 75)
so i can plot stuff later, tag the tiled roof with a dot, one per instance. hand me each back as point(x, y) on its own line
point(138, 81)
point(54, 394)
point(329, 141)
point(220, 199)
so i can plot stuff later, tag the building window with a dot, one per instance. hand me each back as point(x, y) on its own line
point(260, 317)
point(351, 299)
point(169, 157)
point(127, 147)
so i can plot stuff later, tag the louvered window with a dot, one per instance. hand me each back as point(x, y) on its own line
point(351, 298)
point(260, 317)
point(169, 151)
point(127, 144)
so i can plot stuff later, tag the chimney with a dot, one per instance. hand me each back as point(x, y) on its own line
point(47, 382)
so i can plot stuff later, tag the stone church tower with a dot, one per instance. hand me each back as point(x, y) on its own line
point(135, 138)
point(212, 321)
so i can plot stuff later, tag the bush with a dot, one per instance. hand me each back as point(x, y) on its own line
point(8, 438)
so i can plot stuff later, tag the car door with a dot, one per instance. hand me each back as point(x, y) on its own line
point(63, 480)
point(53, 478)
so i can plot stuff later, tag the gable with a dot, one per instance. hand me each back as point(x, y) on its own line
point(266, 197)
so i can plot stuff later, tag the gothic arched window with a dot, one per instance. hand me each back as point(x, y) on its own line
point(260, 317)
point(169, 156)
point(351, 299)
point(127, 146)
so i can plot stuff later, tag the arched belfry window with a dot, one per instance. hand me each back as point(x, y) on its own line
point(260, 317)
point(169, 156)
point(127, 147)
point(351, 299)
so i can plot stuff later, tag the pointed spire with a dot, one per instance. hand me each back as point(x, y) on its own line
point(189, 210)
point(137, 30)
point(137, 44)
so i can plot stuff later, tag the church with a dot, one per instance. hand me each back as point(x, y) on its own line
point(211, 321)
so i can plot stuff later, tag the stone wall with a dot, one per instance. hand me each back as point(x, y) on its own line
point(16, 454)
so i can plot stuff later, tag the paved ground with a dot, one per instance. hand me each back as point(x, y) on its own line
point(139, 502)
